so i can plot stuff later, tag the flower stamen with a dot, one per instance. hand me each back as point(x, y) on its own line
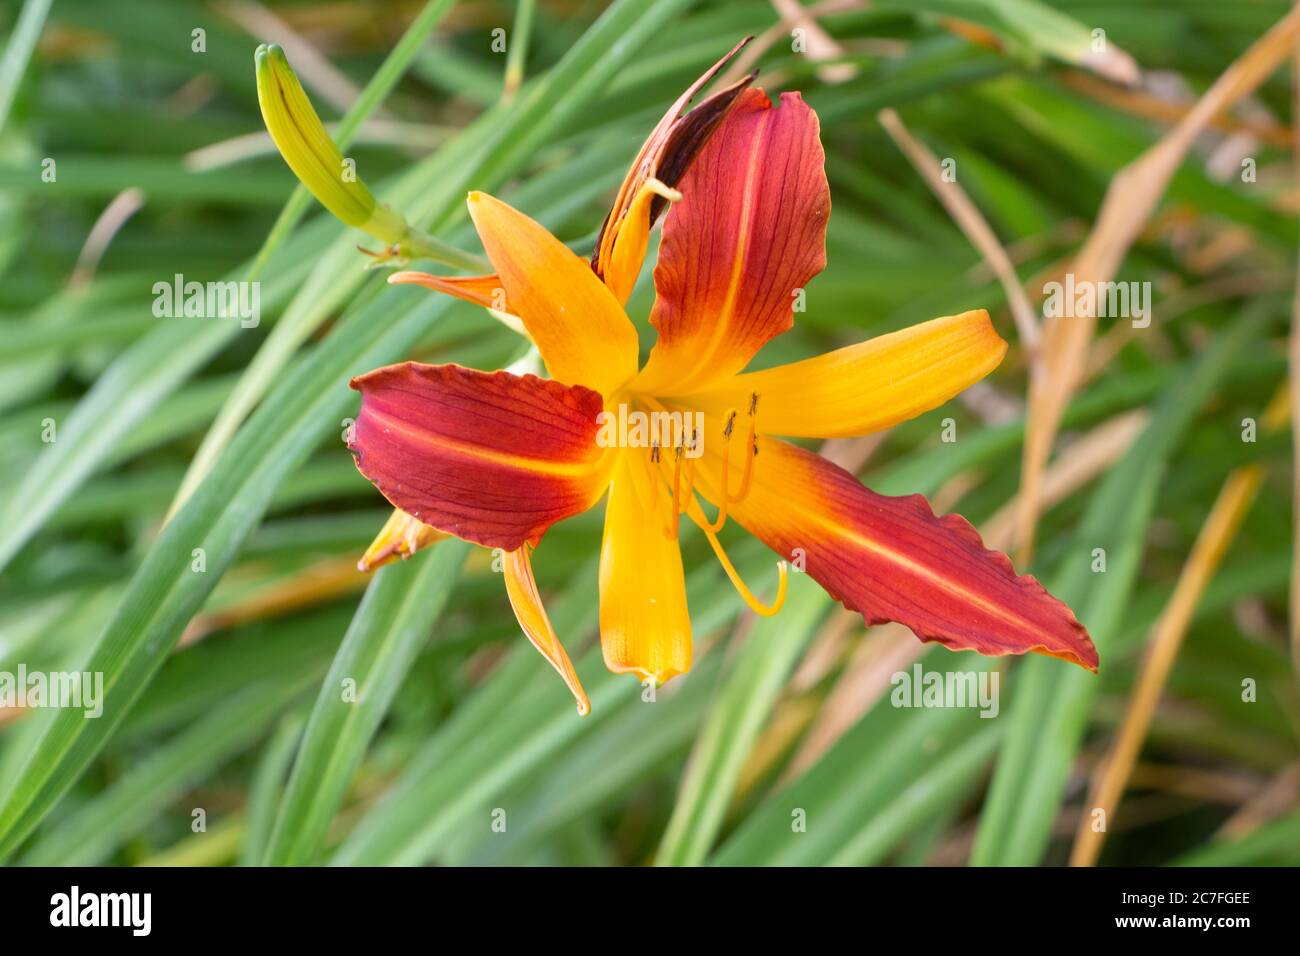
point(684, 500)
point(716, 525)
point(751, 442)
point(674, 507)
point(746, 595)
point(668, 522)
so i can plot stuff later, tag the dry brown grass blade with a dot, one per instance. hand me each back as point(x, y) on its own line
point(820, 45)
point(885, 650)
point(795, 15)
point(892, 647)
point(1216, 535)
point(324, 581)
point(1149, 106)
point(972, 224)
point(1130, 200)
point(1276, 798)
point(110, 222)
point(1087, 458)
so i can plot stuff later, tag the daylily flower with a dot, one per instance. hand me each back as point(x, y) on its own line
point(497, 458)
point(620, 249)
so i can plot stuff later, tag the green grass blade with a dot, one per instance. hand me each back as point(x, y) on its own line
point(400, 607)
point(266, 787)
point(743, 705)
point(1050, 707)
point(515, 723)
point(88, 836)
point(307, 406)
point(1276, 843)
point(18, 51)
point(873, 773)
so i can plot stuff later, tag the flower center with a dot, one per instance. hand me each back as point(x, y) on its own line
point(678, 479)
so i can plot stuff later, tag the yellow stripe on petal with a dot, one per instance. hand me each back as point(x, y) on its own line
point(865, 387)
point(645, 627)
point(521, 588)
point(579, 327)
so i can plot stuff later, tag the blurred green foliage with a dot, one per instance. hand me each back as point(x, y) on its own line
point(223, 684)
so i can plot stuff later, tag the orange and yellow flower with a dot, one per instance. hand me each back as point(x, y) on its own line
point(497, 458)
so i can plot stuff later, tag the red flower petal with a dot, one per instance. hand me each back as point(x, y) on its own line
point(749, 233)
point(493, 458)
point(892, 559)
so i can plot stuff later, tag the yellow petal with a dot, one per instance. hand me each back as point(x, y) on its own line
point(645, 627)
point(521, 588)
point(629, 245)
point(579, 327)
point(865, 387)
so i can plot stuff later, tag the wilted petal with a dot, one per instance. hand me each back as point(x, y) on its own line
point(399, 538)
point(645, 627)
point(748, 235)
point(865, 387)
point(578, 326)
point(892, 559)
point(493, 458)
point(666, 154)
